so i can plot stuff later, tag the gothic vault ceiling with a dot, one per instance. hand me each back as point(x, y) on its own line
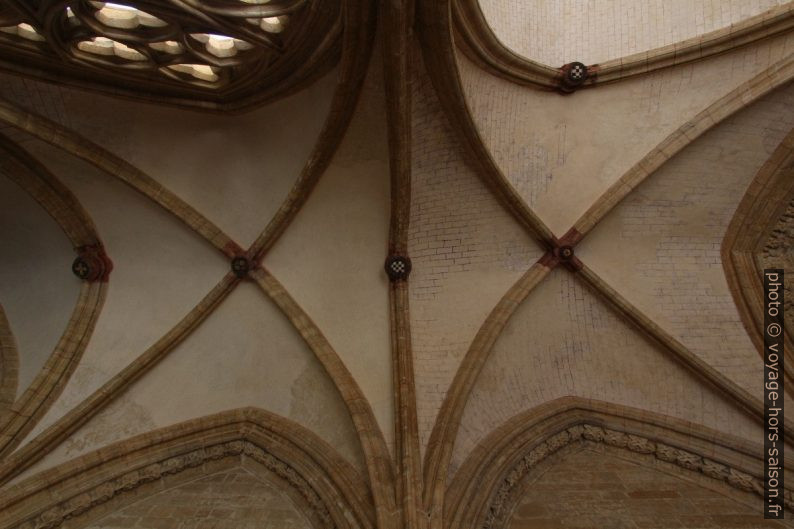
point(406, 264)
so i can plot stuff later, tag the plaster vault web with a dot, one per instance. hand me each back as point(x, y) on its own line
point(362, 264)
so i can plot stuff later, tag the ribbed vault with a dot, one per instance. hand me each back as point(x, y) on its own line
point(569, 274)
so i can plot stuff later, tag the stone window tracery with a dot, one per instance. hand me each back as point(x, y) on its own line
point(211, 45)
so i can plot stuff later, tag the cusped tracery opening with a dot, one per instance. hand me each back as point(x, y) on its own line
point(110, 48)
point(23, 30)
point(215, 50)
point(202, 72)
point(124, 16)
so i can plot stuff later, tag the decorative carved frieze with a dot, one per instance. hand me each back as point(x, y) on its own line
point(502, 500)
point(104, 492)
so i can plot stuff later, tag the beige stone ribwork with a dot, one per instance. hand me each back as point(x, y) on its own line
point(748, 403)
point(373, 444)
point(564, 340)
point(319, 275)
point(467, 250)
point(330, 258)
point(409, 476)
point(439, 58)
point(562, 153)
point(348, 88)
point(161, 271)
point(397, 66)
point(32, 176)
point(766, 199)
point(481, 45)
point(397, 48)
point(351, 77)
point(555, 32)
point(434, 30)
point(435, 35)
point(37, 287)
point(85, 489)
point(9, 366)
point(660, 246)
point(43, 443)
point(245, 354)
point(62, 138)
point(64, 207)
point(356, 51)
point(53, 376)
point(442, 439)
point(488, 485)
point(739, 98)
point(190, 153)
point(388, 501)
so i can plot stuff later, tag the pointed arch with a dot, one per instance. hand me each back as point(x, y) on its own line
point(333, 494)
point(481, 493)
point(756, 217)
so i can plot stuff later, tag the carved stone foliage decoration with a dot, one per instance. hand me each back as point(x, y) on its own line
point(209, 53)
point(56, 515)
point(504, 497)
